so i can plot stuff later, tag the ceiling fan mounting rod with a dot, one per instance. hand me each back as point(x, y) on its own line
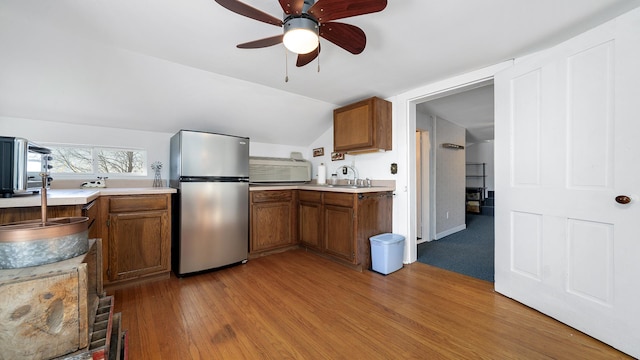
point(307, 5)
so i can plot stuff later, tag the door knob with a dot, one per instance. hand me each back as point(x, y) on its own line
point(623, 199)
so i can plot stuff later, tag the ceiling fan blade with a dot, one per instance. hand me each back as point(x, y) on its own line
point(327, 10)
point(292, 6)
point(266, 42)
point(304, 59)
point(248, 11)
point(348, 37)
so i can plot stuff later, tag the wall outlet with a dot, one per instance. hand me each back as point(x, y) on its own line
point(447, 214)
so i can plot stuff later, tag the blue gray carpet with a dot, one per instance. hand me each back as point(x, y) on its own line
point(468, 252)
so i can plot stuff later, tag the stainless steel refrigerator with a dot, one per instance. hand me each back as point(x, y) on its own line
point(211, 207)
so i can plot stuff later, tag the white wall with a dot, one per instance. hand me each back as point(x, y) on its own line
point(446, 175)
point(155, 143)
point(450, 178)
point(374, 165)
point(275, 150)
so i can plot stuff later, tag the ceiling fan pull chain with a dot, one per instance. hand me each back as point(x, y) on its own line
point(286, 65)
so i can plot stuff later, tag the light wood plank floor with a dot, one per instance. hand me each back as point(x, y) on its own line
point(297, 305)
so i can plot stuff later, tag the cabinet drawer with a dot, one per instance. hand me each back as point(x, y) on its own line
point(137, 203)
point(311, 196)
point(271, 195)
point(339, 199)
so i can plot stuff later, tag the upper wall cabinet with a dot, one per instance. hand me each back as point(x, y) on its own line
point(362, 127)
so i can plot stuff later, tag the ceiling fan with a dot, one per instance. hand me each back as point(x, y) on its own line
point(306, 20)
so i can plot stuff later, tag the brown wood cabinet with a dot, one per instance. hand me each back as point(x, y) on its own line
point(310, 231)
point(374, 212)
point(338, 212)
point(273, 220)
point(345, 223)
point(137, 229)
point(363, 126)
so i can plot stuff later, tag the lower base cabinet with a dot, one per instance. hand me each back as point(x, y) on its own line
point(339, 225)
point(339, 231)
point(136, 233)
point(272, 218)
point(310, 229)
point(334, 224)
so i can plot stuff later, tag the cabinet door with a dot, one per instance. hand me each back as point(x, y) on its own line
point(353, 127)
point(339, 239)
point(271, 225)
point(363, 126)
point(138, 244)
point(310, 222)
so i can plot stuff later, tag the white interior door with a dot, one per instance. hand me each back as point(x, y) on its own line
point(567, 123)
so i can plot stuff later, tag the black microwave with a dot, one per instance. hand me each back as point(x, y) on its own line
point(21, 165)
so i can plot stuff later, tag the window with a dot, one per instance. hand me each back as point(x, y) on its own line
point(88, 160)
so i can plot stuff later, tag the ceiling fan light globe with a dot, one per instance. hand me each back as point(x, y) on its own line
point(300, 35)
point(300, 41)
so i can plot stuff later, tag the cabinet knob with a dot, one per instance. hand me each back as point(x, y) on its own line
point(623, 199)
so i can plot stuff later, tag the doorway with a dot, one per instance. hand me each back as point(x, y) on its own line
point(451, 234)
point(423, 189)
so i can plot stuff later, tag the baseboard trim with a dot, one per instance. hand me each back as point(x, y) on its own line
point(450, 231)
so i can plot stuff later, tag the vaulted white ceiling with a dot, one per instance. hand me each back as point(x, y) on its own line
point(162, 65)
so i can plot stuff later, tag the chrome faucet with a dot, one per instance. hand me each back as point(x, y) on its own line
point(353, 169)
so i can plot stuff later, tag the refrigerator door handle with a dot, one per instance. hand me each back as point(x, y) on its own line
point(213, 179)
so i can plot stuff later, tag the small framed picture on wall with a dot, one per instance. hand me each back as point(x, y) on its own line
point(318, 152)
point(337, 156)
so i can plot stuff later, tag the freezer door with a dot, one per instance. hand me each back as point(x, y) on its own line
point(214, 225)
point(213, 155)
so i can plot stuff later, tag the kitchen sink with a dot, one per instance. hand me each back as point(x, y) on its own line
point(345, 186)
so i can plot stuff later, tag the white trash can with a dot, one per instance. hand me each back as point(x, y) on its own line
point(387, 251)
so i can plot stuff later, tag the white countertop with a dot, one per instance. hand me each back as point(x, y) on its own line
point(83, 196)
point(316, 187)
point(77, 196)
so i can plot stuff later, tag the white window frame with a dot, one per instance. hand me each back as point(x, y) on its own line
point(94, 161)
